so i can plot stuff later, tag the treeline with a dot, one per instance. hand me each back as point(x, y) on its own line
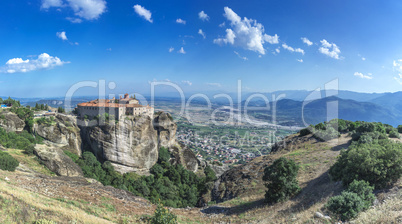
point(10, 102)
point(172, 185)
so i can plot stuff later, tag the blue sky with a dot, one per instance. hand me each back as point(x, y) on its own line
point(48, 46)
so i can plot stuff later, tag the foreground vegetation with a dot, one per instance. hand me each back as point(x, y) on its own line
point(171, 185)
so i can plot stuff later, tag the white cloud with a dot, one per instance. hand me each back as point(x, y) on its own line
point(62, 35)
point(171, 49)
point(397, 66)
point(245, 33)
point(181, 51)
point(200, 32)
point(180, 21)
point(230, 36)
point(306, 41)
point(363, 58)
point(86, 9)
point(277, 50)
point(143, 12)
point(243, 58)
point(51, 3)
point(187, 82)
point(222, 24)
point(44, 61)
point(74, 20)
point(109, 49)
point(291, 49)
point(203, 16)
point(214, 84)
point(299, 60)
point(326, 49)
point(271, 39)
point(361, 75)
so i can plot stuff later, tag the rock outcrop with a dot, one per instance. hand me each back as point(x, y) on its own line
point(57, 161)
point(62, 131)
point(11, 122)
point(132, 144)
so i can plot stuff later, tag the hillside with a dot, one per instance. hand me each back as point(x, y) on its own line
point(33, 192)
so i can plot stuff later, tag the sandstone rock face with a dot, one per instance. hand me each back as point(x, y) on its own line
point(184, 156)
point(130, 145)
point(11, 122)
point(57, 161)
point(166, 129)
point(63, 131)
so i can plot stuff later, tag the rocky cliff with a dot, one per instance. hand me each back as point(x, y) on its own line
point(63, 131)
point(132, 144)
point(11, 122)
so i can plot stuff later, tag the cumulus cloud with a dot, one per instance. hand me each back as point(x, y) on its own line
point(214, 84)
point(200, 32)
point(299, 60)
point(44, 61)
point(62, 35)
point(180, 21)
point(271, 39)
point(330, 49)
point(187, 82)
point(277, 50)
point(203, 16)
point(230, 36)
point(181, 51)
point(291, 49)
point(86, 9)
point(306, 41)
point(171, 49)
point(361, 75)
point(143, 12)
point(245, 33)
point(241, 57)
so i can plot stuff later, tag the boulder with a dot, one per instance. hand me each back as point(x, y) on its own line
point(11, 122)
point(62, 131)
point(57, 161)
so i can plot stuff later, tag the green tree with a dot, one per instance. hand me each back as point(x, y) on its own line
point(281, 180)
point(379, 164)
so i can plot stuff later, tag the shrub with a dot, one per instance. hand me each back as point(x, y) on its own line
point(364, 191)
point(306, 131)
point(281, 180)
point(7, 162)
point(399, 128)
point(328, 134)
point(345, 206)
point(163, 216)
point(379, 164)
point(393, 134)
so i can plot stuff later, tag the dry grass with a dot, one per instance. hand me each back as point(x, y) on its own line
point(29, 162)
point(388, 212)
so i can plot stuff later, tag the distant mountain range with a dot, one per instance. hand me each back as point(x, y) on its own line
point(373, 107)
